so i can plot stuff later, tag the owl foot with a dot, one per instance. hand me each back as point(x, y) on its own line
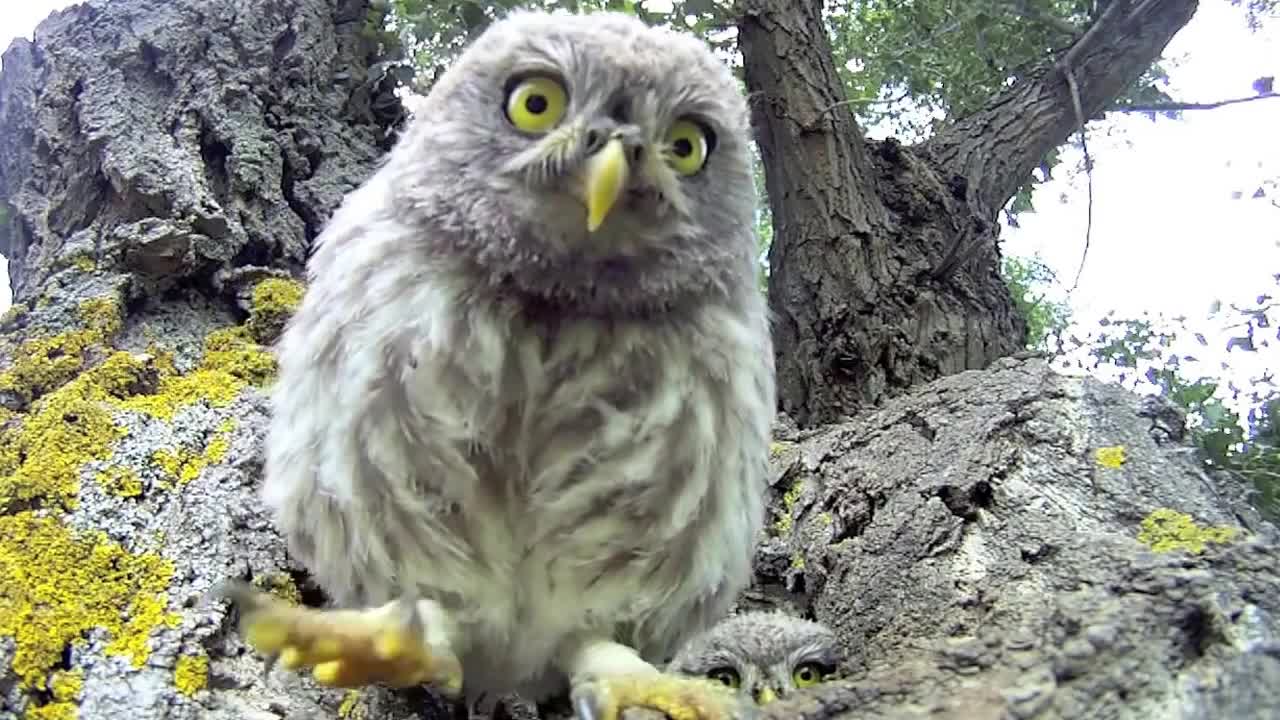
point(348, 648)
point(677, 697)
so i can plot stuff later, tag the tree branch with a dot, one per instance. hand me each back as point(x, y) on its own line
point(1180, 106)
point(996, 148)
point(798, 100)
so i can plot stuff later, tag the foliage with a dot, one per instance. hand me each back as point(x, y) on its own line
point(1046, 318)
point(1237, 429)
point(1256, 10)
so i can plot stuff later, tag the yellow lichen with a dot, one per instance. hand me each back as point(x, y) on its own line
point(83, 263)
point(43, 364)
point(120, 481)
point(797, 561)
point(191, 674)
point(65, 687)
point(273, 302)
point(351, 707)
point(1166, 529)
point(101, 316)
point(1110, 457)
point(184, 465)
point(784, 522)
point(56, 584)
point(41, 457)
point(281, 585)
point(14, 315)
point(233, 351)
point(51, 711)
point(231, 360)
point(777, 448)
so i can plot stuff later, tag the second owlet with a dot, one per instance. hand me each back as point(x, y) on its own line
point(521, 426)
point(764, 656)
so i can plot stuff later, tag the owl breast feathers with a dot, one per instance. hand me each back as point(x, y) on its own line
point(531, 381)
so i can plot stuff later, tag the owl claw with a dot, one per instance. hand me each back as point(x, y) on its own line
point(677, 697)
point(346, 648)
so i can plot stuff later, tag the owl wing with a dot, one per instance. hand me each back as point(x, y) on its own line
point(362, 482)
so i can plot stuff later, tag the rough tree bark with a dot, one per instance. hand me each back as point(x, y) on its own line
point(885, 271)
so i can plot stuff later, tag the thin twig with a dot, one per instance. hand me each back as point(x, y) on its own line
point(1067, 67)
point(1088, 172)
point(864, 101)
point(1180, 106)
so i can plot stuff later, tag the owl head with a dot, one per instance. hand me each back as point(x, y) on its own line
point(587, 161)
point(763, 655)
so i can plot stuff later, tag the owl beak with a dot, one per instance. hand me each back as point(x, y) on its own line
point(765, 695)
point(603, 179)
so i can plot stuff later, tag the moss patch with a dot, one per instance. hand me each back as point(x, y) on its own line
point(57, 584)
point(191, 674)
point(273, 302)
point(1165, 530)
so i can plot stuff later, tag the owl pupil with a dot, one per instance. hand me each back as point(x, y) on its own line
point(683, 147)
point(536, 104)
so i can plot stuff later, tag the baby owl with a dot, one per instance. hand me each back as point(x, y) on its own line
point(521, 424)
point(762, 655)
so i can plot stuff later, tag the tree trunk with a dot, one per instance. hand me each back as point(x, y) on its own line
point(885, 270)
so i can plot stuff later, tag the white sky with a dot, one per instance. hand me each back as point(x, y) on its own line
point(1167, 235)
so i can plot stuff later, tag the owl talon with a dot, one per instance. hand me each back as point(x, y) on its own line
point(346, 648)
point(677, 697)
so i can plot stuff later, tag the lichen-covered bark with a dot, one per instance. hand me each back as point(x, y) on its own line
point(1015, 543)
point(885, 271)
point(163, 168)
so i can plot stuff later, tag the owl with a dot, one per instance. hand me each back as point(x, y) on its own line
point(762, 655)
point(521, 423)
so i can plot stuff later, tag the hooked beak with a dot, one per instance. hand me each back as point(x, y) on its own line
point(603, 178)
point(765, 695)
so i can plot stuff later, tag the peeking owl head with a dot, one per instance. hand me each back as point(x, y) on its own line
point(594, 163)
point(762, 655)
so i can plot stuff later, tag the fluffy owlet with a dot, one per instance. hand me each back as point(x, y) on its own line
point(762, 655)
point(521, 425)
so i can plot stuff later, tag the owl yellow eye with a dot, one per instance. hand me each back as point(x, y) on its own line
point(726, 676)
point(687, 146)
point(807, 674)
point(536, 104)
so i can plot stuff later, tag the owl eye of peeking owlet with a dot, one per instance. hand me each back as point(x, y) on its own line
point(762, 655)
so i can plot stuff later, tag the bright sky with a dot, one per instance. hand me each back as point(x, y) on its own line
point(1167, 234)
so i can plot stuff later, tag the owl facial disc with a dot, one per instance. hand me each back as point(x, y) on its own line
point(603, 177)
